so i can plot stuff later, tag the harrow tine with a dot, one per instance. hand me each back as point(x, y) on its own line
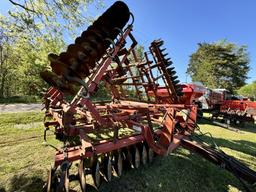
point(162, 50)
point(175, 82)
point(170, 68)
point(169, 63)
point(164, 55)
point(173, 77)
point(171, 72)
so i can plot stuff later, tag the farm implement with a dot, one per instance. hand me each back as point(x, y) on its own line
point(133, 124)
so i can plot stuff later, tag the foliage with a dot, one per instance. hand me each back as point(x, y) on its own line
point(248, 90)
point(219, 65)
point(21, 99)
point(102, 93)
point(28, 33)
point(139, 50)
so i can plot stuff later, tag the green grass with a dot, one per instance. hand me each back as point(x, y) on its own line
point(23, 161)
point(21, 99)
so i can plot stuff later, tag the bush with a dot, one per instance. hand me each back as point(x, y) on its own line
point(20, 99)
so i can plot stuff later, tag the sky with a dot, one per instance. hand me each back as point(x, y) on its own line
point(182, 24)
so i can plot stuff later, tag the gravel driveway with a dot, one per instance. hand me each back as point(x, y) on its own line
point(20, 107)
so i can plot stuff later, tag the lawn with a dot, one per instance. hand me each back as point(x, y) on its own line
point(24, 160)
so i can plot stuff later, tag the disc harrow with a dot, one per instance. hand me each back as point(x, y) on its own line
point(130, 128)
point(145, 114)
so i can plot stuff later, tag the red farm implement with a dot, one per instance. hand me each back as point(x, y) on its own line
point(238, 111)
point(130, 128)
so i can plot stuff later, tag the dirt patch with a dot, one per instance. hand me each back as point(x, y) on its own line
point(19, 107)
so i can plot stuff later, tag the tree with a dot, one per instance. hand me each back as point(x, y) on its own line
point(53, 16)
point(219, 65)
point(8, 71)
point(34, 29)
point(248, 90)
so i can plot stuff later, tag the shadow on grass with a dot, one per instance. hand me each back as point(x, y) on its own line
point(26, 184)
point(176, 172)
point(181, 171)
point(246, 126)
point(243, 146)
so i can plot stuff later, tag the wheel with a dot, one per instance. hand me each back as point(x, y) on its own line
point(119, 163)
point(136, 158)
point(150, 155)
point(144, 155)
point(96, 173)
point(108, 168)
point(82, 177)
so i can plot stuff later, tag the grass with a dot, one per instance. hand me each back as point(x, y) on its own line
point(23, 161)
point(21, 99)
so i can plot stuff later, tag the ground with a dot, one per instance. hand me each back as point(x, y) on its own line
point(25, 159)
point(20, 107)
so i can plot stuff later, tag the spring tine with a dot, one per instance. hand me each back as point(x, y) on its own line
point(175, 82)
point(168, 60)
point(168, 64)
point(173, 78)
point(172, 73)
point(165, 54)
